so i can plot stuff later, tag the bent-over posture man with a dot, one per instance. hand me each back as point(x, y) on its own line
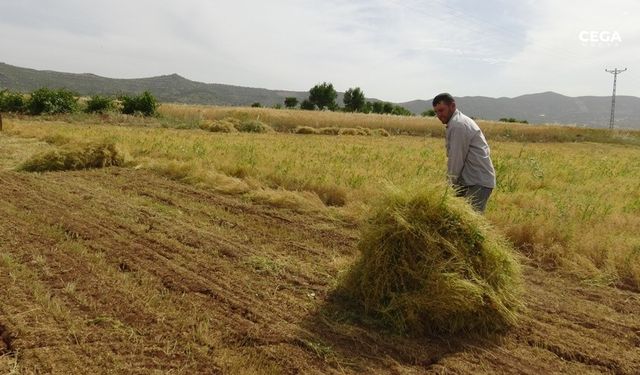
point(469, 165)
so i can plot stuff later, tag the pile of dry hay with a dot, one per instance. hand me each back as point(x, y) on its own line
point(75, 157)
point(429, 264)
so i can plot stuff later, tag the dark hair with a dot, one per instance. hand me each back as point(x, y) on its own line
point(444, 97)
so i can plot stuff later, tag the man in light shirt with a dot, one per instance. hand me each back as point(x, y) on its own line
point(469, 165)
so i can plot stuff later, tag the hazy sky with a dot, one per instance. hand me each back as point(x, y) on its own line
point(393, 50)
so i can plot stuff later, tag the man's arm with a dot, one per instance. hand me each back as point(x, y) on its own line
point(457, 152)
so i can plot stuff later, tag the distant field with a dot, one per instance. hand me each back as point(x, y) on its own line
point(568, 205)
point(219, 253)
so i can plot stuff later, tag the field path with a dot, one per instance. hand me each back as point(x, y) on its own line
point(119, 270)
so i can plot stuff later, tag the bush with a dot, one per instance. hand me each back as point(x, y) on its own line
point(46, 101)
point(290, 102)
point(428, 113)
point(254, 126)
point(429, 264)
point(100, 104)
point(94, 155)
point(307, 105)
point(145, 103)
point(12, 102)
point(511, 119)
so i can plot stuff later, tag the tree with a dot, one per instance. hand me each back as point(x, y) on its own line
point(256, 105)
point(290, 102)
point(307, 105)
point(354, 100)
point(323, 96)
point(387, 107)
point(428, 113)
point(401, 111)
point(368, 107)
point(377, 107)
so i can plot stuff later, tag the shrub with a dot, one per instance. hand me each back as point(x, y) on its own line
point(307, 105)
point(512, 120)
point(428, 113)
point(12, 102)
point(145, 103)
point(305, 130)
point(254, 126)
point(429, 264)
point(94, 155)
point(100, 104)
point(290, 102)
point(46, 101)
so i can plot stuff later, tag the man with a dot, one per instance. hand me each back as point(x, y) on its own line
point(469, 165)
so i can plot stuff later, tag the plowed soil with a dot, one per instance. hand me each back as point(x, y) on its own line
point(122, 271)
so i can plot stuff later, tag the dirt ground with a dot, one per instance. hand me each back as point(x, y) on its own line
point(122, 271)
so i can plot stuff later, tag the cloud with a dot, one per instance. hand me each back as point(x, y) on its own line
point(394, 50)
point(556, 58)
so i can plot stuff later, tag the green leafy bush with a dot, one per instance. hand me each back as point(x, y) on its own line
point(47, 101)
point(145, 103)
point(12, 102)
point(100, 104)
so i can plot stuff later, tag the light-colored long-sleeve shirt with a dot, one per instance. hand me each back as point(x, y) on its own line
point(468, 159)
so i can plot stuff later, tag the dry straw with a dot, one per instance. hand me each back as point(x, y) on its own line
point(429, 264)
point(75, 157)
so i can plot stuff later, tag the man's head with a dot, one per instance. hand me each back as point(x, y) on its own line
point(444, 106)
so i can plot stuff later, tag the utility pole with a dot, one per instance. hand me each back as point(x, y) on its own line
point(615, 73)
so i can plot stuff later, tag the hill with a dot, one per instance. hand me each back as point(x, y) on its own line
point(548, 107)
point(167, 88)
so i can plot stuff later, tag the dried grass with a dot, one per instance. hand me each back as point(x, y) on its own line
point(429, 264)
point(75, 157)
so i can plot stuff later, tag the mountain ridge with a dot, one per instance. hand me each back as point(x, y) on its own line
point(544, 107)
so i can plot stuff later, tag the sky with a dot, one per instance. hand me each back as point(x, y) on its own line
point(393, 50)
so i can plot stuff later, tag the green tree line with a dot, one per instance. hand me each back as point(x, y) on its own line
point(323, 96)
point(45, 101)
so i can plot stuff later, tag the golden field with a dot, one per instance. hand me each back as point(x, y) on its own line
point(204, 252)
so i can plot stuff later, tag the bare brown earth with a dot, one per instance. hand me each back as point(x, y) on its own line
point(122, 271)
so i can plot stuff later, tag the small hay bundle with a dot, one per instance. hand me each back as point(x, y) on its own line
point(305, 130)
point(92, 155)
point(429, 264)
point(219, 126)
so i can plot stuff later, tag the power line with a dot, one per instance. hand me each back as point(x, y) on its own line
point(615, 73)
